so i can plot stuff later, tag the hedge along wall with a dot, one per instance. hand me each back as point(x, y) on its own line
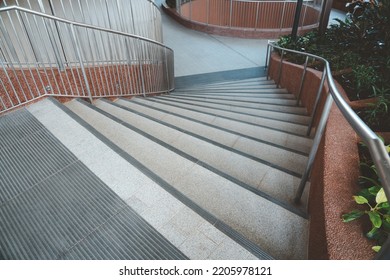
point(334, 176)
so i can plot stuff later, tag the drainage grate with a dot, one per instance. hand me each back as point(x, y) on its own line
point(53, 207)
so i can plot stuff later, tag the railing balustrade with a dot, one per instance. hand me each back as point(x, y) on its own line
point(375, 145)
point(44, 55)
point(266, 15)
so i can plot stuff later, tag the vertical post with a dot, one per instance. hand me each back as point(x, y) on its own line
point(141, 71)
point(208, 12)
point(314, 149)
point(282, 17)
point(167, 70)
point(79, 56)
point(268, 59)
point(297, 16)
point(231, 13)
point(316, 103)
point(190, 15)
point(178, 7)
point(280, 69)
point(326, 7)
point(51, 35)
point(302, 80)
point(257, 14)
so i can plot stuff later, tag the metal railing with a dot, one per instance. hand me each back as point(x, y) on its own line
point(138, 17)
point(250, 14)
point(375, 145)
point(42, 54)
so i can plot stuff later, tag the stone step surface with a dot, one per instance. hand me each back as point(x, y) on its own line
point(230, 155)
point(283, 238)
point(188, 233)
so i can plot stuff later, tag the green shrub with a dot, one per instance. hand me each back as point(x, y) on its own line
point(374, 201)
point(359, 49)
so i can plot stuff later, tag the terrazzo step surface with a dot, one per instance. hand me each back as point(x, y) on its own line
point(277, 230)
point(222, 151)
point(206, 172)
point(188, 233)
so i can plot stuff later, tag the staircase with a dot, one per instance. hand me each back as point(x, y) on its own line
point(206, 172)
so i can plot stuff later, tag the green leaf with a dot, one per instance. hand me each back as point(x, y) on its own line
point(360, 199)
point(374, 233)
point(353, 215)
point(375, 219)
point(381, 196)
point(388, 148)
point(376, 248)
point(384, 205)
point(374, 190)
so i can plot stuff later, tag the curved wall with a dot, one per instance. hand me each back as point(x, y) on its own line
point(253, 19)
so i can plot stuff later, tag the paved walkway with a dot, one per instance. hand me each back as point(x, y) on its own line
point(198, 52)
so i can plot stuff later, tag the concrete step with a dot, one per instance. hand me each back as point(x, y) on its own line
point(207, 114)
point(237, 111)
point(290, 141)
point(225, 152)
point(250, 81)
point(217, 129)
point(227, 94)
point(251, 90)
point(197, 236)
point(301, 111)
point(241, 100)
point(250, 115)
point(249, 214)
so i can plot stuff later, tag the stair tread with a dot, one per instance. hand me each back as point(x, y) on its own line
point(207, 115)
point(235, 112)
point(243, 168)
point(241, 100)
point(274, 107)
point(183, 227)
point(198, 183)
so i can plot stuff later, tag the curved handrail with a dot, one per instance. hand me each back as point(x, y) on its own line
point(375, 145)
point(51, 58)
point(9, 8)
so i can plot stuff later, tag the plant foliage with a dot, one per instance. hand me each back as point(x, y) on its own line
point(375, 205)
point(358, 50)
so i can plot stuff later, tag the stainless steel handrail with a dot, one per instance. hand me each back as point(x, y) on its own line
point(5, 9)
point(113, 14)
point(375, 145)
point(85, 58)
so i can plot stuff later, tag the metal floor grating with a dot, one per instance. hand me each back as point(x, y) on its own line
point(53, 207)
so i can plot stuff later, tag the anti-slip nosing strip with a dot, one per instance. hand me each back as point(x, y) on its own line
point(205, 106)
point(169, 103)
point(284, 205)
point(230, 149)
point(279, 96)
point(135, 100)
point(244, 107)
point(242, 135)
point(250, 246)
